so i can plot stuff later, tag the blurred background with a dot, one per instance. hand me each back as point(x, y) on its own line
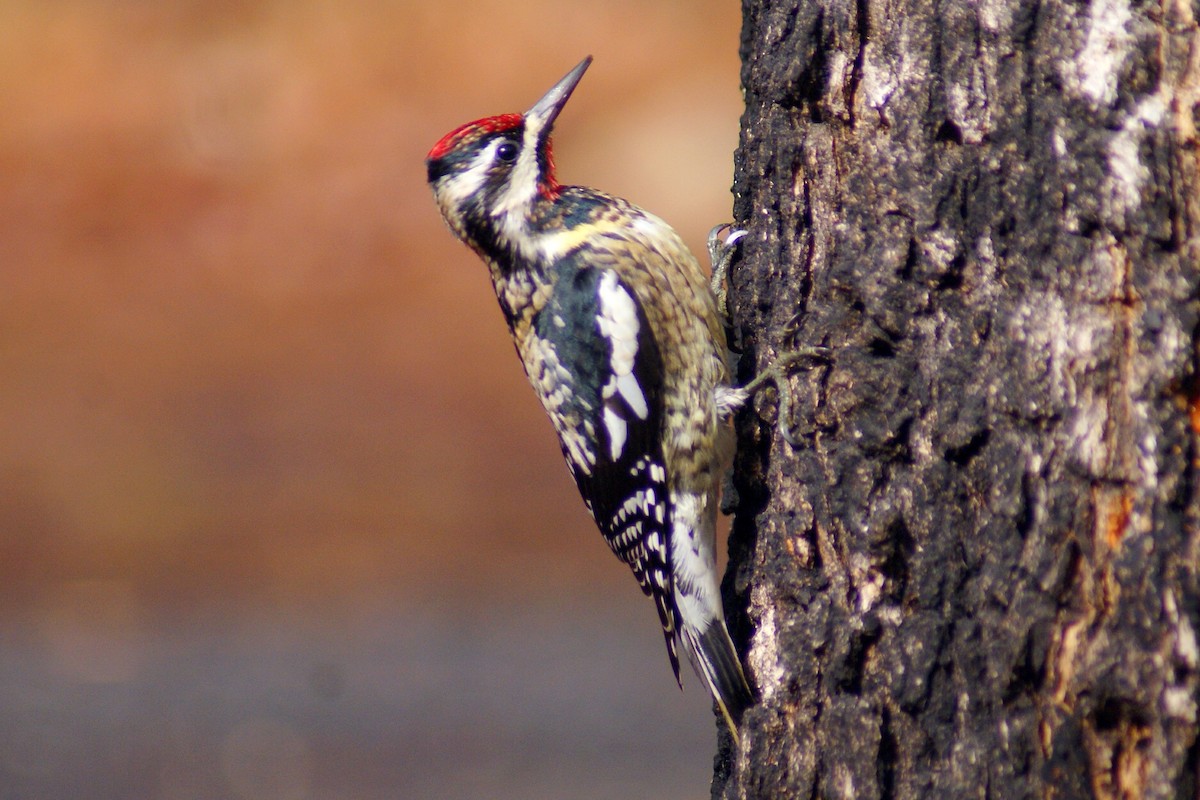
point(279, 515)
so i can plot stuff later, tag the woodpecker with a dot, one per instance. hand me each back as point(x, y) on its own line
point(621, 337)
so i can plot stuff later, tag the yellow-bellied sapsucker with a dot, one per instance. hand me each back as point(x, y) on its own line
point(620, 335)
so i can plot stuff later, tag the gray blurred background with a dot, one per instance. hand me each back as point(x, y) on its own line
point(279, 516)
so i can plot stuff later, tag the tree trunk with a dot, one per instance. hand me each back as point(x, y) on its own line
point(976, 574)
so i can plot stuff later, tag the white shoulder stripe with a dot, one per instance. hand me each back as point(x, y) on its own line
point(618, 323)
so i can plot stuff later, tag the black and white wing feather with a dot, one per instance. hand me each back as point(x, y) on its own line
point(596, 366)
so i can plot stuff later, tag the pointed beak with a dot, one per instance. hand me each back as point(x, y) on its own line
point(543, 113)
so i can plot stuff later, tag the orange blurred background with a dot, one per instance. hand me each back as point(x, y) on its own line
point(280, 516)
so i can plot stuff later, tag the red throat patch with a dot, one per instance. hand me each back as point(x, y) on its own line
point(549, 187)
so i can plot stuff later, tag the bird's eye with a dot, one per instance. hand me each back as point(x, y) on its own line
point(507, 152)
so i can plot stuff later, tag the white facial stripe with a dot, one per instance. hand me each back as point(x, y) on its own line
point(522, 186)
point(461, 186)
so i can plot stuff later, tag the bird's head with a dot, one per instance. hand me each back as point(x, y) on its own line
point(487, 175)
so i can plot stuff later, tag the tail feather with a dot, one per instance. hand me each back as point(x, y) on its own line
point(668, 617)
point(716, 661)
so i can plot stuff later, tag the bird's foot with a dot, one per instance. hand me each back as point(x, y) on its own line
point(722, 244)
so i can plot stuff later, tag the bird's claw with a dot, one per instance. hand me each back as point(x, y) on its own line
point(777, 373)
point(721, 248)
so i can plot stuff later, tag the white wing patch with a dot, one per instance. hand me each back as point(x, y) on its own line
point(618, 322)
point(617, 429)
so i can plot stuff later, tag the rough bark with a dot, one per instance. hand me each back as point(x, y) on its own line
point(976, 576)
